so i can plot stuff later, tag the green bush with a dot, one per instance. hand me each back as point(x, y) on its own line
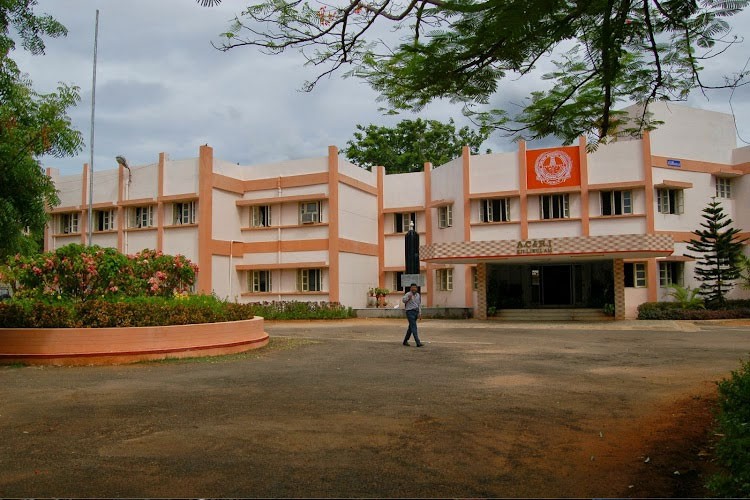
point(298, 310)
point(733, 425)
point(28, 313)
point(672, 310)
point(155, 311)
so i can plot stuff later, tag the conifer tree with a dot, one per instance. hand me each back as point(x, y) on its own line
point(719, 250)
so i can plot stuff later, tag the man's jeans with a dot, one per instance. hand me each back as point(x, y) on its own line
point(412, 316)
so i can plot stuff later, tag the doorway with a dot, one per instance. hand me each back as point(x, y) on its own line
point(528, 286)
point(557, 285)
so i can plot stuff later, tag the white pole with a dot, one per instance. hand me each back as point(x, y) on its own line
point(91, 142)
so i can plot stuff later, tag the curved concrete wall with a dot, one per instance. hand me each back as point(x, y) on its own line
point(101, 346)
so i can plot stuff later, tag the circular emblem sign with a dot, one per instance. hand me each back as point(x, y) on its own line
point(553, 167)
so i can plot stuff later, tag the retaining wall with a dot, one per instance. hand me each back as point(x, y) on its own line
point(103, 346)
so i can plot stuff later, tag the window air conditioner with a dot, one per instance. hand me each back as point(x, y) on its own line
point(308, 218)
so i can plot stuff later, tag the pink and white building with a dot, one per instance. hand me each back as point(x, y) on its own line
point(533, 228)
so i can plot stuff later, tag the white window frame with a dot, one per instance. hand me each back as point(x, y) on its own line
point(104, 220)
point(625, 207)
point(310, 280)
point(723, 187)
point(664, 204)
point(183, 213)
point(667, 271)
point(309, 212)
point(69, 223)
point(445, 279)
point(638, 276)
point(141, 217)
point(405, 218)
point(260, 216)
point(487, 210)
point(445, 216)
point(559, 202)
point(257, 280)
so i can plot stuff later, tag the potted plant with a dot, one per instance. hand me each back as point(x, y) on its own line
point(380, 293)
point(372, 301)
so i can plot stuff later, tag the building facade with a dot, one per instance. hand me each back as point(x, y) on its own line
point(534, 228)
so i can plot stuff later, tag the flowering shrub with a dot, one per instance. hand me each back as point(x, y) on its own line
point(155, 311)
point(79, 273)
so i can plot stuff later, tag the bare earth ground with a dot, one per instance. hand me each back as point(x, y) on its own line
point(334, 409)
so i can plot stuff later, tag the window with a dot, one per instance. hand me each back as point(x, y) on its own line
point(397, 280)
point(259, 281)
point(616, 202)
point(670, 273)
point(670, 201)
point(554, 206)
point(69, 223)
point(142, 216)
point(104, 220)
point(183, 213)
point(495, 210)
point(723, 187)
point(474, 278)
point(401, 222)
point(445, 279)
point(309, 280)
point(445, 216)
point(635, 275)
point(309, 212)
point(260, 216)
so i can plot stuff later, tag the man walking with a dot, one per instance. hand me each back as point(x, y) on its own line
point(413, 308)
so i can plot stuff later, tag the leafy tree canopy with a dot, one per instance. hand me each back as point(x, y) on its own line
point(718, 250)
point(31, 125)
point(607, 53)
point(411, 143)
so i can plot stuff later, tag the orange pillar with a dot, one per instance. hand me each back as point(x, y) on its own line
point(205, 221)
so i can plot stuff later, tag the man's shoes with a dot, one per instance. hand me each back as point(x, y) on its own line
point(406, 344)
point(420, 345)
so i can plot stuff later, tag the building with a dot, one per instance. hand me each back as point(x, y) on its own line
point(555, 227)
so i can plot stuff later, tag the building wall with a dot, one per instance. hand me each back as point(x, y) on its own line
point(358, 243)
point(358, 274)
point(494, 173)
point(691, 133)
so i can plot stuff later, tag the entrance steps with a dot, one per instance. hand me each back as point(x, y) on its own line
point(542, 315)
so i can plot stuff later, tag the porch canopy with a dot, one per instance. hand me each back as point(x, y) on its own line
point(616, 246)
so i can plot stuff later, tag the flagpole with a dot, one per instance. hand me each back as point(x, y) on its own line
point(91, 141)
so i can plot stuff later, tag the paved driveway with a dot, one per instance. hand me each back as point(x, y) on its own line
point(343, 409)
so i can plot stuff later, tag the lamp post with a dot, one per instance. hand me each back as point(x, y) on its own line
point(91, 145)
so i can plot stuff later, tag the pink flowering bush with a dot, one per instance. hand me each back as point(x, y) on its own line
point(80, 273)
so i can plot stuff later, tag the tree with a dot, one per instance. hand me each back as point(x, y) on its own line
point(31, 125)
point(411, 143)
point(719, 250)
point(606, 52)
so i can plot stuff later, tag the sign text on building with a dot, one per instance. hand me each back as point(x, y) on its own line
point(534, 246)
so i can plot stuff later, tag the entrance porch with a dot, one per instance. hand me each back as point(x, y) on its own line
point(570, 272)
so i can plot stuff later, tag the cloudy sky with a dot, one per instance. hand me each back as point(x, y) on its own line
point(161, 86)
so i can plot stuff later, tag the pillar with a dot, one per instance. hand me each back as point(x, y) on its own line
point(619, 271)
point(480, 309)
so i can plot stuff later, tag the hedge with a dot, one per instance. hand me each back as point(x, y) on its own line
point(733, 426)
point(672, 310)
point(155, 311)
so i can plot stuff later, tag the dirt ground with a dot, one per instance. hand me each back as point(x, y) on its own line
point(342, 409)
